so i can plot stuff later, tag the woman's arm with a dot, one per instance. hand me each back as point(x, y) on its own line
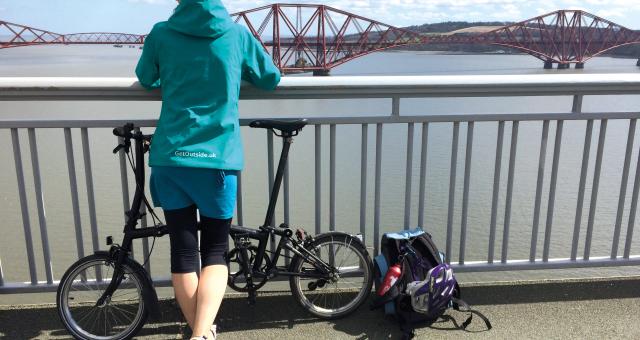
point(148, 69)
point(258, 67)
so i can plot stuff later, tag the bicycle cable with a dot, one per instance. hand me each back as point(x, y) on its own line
point(154, 217)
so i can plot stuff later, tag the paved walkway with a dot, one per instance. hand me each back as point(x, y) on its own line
point(564, 311)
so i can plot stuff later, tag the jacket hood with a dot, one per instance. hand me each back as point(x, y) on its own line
point(201, 18)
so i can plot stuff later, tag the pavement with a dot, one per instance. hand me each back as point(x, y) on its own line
point(568, 309)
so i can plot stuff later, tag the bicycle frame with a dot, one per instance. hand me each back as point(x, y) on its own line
point(120, 252)
point(266, 231)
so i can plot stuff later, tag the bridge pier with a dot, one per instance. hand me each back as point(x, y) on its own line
point(579, 66)
point(638, 63)
point(548, 64)
point(321, 73)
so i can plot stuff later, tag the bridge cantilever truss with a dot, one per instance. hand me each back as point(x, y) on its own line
point(563, 37)
point(14, 35)
point(318, 38)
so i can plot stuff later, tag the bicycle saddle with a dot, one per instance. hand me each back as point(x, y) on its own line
point(285, 126)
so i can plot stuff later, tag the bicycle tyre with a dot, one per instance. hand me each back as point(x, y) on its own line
point(132, 307)
point(304, 293)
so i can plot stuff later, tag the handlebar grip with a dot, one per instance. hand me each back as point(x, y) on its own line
point(118, 132)
point(125, 131)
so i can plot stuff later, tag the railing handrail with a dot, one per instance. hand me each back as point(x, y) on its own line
point(394, 88)
point(102, 88)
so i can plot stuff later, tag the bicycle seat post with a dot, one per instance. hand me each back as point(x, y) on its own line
point(273, 198)
point(288, 130)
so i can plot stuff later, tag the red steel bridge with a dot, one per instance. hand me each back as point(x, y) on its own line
point(317, 38)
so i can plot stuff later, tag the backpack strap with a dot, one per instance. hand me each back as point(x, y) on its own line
point(462, 306)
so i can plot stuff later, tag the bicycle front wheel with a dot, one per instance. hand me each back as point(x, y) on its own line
point(120, 317)
point(345, 289)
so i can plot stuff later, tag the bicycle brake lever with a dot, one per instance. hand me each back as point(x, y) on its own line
point(120, 147)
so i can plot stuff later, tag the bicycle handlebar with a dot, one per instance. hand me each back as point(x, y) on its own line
point(124, 131)
point(128, 132)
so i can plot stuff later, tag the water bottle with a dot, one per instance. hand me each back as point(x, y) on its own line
point(392, 276)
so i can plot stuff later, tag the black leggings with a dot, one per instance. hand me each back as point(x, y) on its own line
point(183, 234)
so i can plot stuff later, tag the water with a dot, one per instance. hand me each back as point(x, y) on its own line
point(111, 62)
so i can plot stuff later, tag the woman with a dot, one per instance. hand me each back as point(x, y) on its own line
point(198, 57)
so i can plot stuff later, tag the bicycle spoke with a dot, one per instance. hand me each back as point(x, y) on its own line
point(124, 311)
point(331, 296)
point(87, 315)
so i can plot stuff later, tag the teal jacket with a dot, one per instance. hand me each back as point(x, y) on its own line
point(198, 57)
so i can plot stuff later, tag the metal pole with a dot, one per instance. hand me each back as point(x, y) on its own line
point(583, 180)
point(90, 191)
point(40, 204)
point(552, 191)
point(510, 175)
point(270, 173)
point(465, 192)
point(318, 187)
point(24, 208)
point(363, 181)
point(423, 174)
point(376, 203)
point(536, 209)
point(623, 188)
point(594, 188)
point(73, 184)
point(408, 177)
point(452, 188)
point(332, 177)
point(239, 200)
point(496, 191)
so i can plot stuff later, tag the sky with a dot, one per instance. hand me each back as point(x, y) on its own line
point(138, 16)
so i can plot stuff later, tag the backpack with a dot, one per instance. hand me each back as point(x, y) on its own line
point(417, 255)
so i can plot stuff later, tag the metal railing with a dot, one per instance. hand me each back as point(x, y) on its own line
point(395, 89)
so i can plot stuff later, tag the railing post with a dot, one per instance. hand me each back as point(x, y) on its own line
point(363, 181)
point(538, 199)
point(318, 177)
point(423, 173)
point(552, 191)
point(332, 177)
point(24, 208)
point(376, 203)
point(408, 177)
point(510, 174)
point(37, 180)
point(73, 187)
point(583, 180)
point(594, 188)
point(286, 201)
point(271, 178)
point(496, 192)
point(90, 191)
point(452, 188)
point(623, 188)
point(239, 200)
point(465, 191)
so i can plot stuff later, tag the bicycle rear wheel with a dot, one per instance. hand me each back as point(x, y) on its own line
point(340, 294)
point(120, 317)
